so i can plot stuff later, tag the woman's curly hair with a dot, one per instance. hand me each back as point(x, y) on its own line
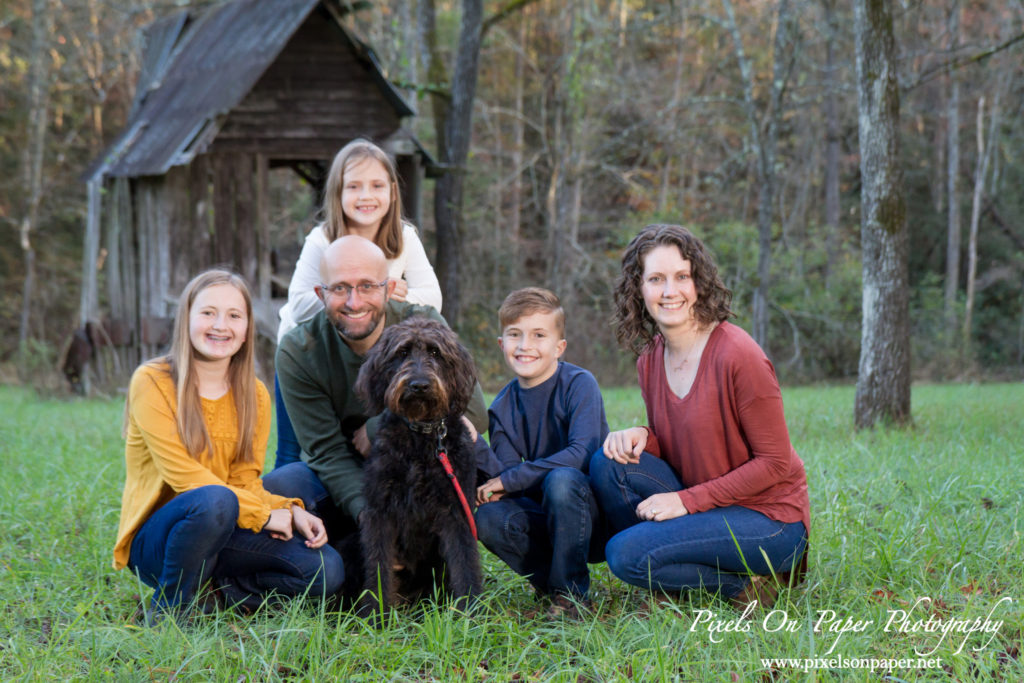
point(634, 327)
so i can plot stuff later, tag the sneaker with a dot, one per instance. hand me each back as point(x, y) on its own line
point(760, 593)
point(564, 607)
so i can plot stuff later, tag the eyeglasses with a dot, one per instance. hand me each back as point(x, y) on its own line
point(364, 288)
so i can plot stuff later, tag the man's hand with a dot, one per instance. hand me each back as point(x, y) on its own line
point(279, 525)
point(470, 427)
point(490, 491)
point(310, 526)
point(362, 442)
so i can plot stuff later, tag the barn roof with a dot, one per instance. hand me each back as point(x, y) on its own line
point(197, 67)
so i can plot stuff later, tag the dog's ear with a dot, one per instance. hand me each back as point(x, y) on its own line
point(372, 381)
point(461, 371)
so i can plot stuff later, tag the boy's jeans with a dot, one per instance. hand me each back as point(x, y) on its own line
point(715, 550)
point(549, 542)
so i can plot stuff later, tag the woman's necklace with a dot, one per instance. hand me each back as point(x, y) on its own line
point(686, 357)
point(698, 342)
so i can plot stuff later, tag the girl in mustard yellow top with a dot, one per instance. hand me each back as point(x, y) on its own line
point(194, 508)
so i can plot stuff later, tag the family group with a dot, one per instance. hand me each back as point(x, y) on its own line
point(709, 495)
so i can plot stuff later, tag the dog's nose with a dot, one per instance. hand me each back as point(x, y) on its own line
point(419, 385)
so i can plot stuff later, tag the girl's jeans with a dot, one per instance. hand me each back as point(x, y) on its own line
point(195, 538)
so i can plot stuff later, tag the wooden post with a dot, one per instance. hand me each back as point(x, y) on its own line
point(180, 229)
point(199, 212)
point(263, 246)
point(245, 227)
point(223, 211)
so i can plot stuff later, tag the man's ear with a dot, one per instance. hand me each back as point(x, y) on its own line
point(320, 293)
point(390, 289)
point(560, 348)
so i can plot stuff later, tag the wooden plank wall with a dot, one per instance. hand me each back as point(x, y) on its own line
point(313, 99)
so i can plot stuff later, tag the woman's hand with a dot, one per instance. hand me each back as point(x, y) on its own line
point(401, 290)
point(490, 491)
point(310, 526)
point(625, 446)
point(661, 507)
point(279, 525)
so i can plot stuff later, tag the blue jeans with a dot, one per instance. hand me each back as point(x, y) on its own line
point(298, 481)
point(548, 541)
point(195, 538)
point(715, 550)
point(288, 449)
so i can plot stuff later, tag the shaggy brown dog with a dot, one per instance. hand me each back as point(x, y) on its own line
point(413, 530)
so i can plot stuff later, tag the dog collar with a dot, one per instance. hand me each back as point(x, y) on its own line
point(434, 427)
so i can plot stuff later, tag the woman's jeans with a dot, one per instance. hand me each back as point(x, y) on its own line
point(715, 550)
point(548, 541)
point(288, 449)
point(195, 538)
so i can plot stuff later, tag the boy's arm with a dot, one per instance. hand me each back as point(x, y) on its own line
point(587, 430)
point(504, 451)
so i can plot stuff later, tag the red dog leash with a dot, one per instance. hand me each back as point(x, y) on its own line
point(446, 464)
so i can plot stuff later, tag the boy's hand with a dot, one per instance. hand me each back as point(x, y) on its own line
point(490, 491)
point(625, 446)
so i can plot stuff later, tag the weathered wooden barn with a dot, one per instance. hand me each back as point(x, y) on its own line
point(224, 96)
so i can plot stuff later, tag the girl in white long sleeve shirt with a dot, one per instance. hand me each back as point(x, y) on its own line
point(361, 197)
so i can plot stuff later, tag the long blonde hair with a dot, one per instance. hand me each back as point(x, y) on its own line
point(180, 363)
point(389, 234)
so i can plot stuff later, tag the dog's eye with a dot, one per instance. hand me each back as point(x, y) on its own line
point(435, 353)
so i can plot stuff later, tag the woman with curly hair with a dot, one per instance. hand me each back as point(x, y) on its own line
point(711, 494)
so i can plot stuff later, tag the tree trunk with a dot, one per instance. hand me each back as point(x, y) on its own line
point(32, 156)
point(831, 144)
point(883, 382)
point(952, 176)
point(764, 147)
point(408, 61)
point(984, 155)
point(518, 146)
point(454, 151)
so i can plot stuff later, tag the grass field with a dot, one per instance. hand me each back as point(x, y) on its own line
point(933, 513)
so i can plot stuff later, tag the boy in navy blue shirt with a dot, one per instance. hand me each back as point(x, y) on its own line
point(540, 515)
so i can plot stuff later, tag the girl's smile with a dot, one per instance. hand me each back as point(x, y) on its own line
point(218, 322)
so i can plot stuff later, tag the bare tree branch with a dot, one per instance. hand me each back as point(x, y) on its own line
point(511, 7)
point(958, 62)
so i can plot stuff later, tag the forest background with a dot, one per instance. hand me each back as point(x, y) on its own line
point(592, 118)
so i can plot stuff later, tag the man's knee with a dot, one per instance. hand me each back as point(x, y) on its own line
point(295, 480)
